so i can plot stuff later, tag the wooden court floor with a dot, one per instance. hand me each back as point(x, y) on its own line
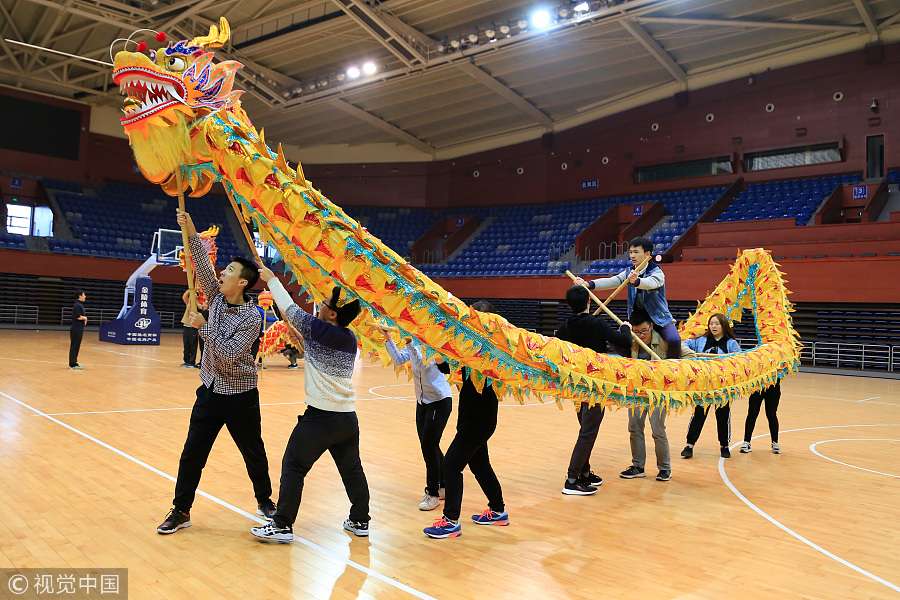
point(89, 457)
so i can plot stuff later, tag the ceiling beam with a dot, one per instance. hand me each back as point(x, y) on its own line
point(9, 53)
point(193, 10)
point(750, 24)
point(48, 34)
point(393, 130)
point(84, 13)
point(891, 21)
point(287, 12)
point(485, 79)
point(653, 47)
point(865, 11)
point(371, 22)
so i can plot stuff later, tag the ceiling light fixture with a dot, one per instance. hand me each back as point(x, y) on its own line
point(540, 19)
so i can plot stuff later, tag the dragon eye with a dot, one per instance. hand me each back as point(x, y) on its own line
point(175, 64)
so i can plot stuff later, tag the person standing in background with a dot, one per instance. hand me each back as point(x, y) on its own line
point(76, 331)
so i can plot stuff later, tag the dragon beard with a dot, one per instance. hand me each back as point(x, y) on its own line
point(164, 149)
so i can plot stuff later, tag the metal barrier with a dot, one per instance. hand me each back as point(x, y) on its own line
point(872, 357)
point(102, 315)
point(14, 313)
point(840, 355)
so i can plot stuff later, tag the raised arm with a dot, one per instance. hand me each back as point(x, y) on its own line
point(202, 267)
point(293, 314)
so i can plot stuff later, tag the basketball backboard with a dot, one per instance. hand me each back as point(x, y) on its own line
point(167, 243)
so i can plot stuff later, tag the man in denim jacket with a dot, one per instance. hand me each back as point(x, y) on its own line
point(646, 290)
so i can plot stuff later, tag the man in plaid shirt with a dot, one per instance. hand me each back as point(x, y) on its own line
point(228, 395)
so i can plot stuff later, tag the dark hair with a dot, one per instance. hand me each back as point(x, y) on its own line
point(79, 294)
point(483, 306)
point(249, 271)
point(639, 316)
point(642, 242)
point(347, 312)
point(726, 326)
point(577, 298)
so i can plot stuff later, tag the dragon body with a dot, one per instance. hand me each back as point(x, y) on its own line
point(181, 113)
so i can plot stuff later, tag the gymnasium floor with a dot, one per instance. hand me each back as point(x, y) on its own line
point(89, 459)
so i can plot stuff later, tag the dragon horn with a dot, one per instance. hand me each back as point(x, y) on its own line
point(217, 35)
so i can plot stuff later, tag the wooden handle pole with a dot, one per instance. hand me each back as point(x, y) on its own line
point(188, 265)
point(621, 285)
point(240, 217)
point(617, 320)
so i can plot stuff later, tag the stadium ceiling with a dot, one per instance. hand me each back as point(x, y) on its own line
point(433, 88)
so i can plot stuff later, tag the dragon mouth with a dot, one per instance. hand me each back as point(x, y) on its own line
point(147, 93)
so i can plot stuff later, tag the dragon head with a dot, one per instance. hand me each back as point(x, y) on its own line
point(166, 93)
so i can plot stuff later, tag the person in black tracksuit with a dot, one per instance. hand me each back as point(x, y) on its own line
point(588, 331)
point(76, 331)
point(476, 422)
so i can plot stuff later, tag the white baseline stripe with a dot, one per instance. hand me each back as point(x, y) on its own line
point(812, 448)
point(126, 354)
point(313, 545)
point(791, 532)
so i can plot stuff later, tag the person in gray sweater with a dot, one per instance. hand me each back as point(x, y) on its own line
point(330, 421)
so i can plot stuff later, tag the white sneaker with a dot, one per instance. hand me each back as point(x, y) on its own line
point(429, 502)
point(745, 448)
point(271, 531)
point(776, 448)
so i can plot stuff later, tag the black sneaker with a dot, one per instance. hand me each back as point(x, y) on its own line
point(266, 509)
point(360, 529)
point(688, 452)
point(726, 452)
point(271, 531)
point(175, 520)
point(591, 479)
point(293, 367)
point(664, 476)
point(187, 365)
point(632, 472)
point(579, 488)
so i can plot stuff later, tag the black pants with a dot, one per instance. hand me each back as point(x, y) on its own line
point(240, 414)
point(431, 419)
point(317, 431)
point(771, 395)
point(189, 337)
point(589, 419)
point(469, 447)
point(74, 345)
point(723, 424)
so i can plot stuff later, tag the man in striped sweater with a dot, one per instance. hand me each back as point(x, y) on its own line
point(329, 422)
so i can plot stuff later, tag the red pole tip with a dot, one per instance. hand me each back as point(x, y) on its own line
point(141, 46)
point(160, 36)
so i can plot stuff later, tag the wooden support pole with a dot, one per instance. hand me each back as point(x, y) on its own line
point(188, 265)
point(612, 315)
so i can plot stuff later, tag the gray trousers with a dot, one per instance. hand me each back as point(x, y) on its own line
point(636, 419)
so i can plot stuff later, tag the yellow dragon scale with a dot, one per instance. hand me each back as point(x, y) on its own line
point(324, 247)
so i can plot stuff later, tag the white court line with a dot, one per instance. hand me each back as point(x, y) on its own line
point(812, 448)
point(790, 531)
point(105, 412)
point(126, 354)
point(872, 398)
point(328, 553)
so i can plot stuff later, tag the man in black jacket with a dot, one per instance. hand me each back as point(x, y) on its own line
point(587, 331)
point(76, 331)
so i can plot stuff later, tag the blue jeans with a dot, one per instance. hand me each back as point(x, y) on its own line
point(670, 334)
